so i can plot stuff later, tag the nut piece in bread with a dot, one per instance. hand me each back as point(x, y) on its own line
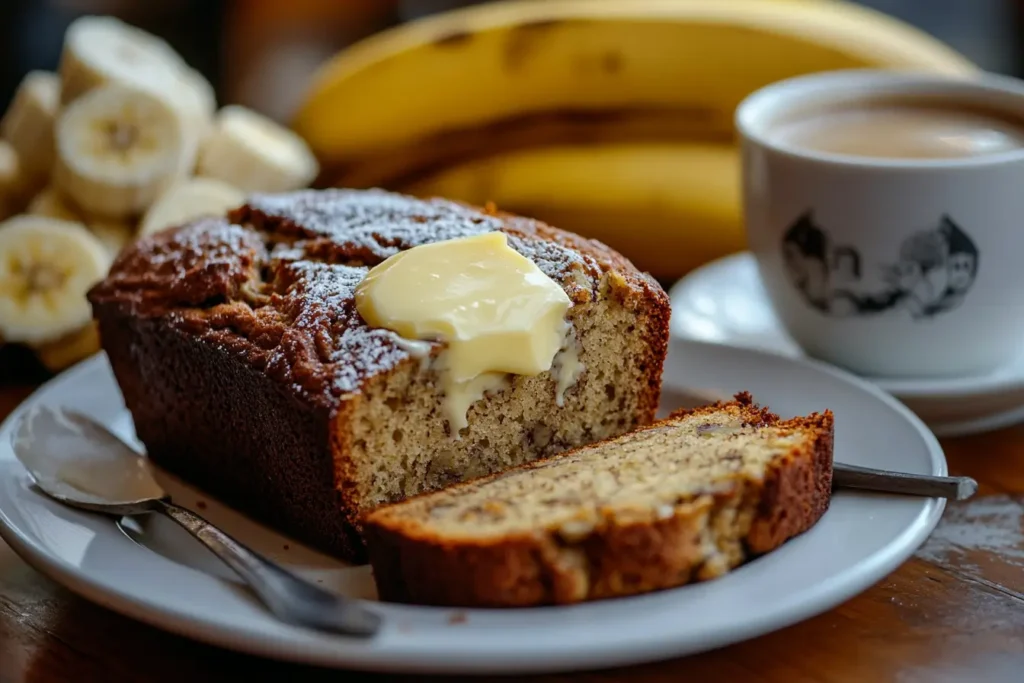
point(685, 499)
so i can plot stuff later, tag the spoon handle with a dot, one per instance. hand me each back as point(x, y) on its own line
point(855, 477)
point(290, 598)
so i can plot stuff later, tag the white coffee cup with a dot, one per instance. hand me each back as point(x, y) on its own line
point(847, 246)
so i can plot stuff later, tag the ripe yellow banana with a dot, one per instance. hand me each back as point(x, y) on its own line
point(611, 119)
point(580, 70)
point(667, 206)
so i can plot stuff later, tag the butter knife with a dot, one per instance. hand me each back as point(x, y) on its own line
point(885, 481)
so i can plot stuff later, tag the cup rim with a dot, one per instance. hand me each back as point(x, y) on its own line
point(752, 115)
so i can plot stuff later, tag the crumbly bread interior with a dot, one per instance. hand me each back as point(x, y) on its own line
point(646, 474)
point(401, 442)
point(685, 499)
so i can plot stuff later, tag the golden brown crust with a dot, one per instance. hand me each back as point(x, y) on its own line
point(619, 556)
point(256, 310)
point(797, 490)
point(273, 286)
point(230, 430)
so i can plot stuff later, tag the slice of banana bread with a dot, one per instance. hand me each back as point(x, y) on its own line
point(248, 371)
point(684, 499)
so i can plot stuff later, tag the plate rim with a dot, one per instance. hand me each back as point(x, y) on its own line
point(951, 388)
point(989, 423)
point(849, 582)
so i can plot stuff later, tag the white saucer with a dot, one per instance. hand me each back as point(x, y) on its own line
point(149, 570)
point(724, 302)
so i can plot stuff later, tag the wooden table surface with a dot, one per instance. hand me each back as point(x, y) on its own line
point(954, 613)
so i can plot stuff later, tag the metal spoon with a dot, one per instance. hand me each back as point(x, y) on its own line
point(79, 462)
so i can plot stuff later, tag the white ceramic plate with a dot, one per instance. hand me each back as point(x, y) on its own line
point(150, 571)
point(724, 302)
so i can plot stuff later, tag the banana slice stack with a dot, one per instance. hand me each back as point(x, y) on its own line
point(124, 141)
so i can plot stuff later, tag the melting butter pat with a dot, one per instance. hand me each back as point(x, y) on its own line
point(494, 308)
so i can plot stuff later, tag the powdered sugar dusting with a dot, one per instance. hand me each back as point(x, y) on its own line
point(332, 285)
point(208, 244)
point(321, 301)
point(205, 259)
point(275, 283)
point(552, 258)
point(370, 225)
point(992, 524)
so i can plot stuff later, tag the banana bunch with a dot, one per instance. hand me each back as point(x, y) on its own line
point(613, 119)
point(125, 140)
point(632, 196)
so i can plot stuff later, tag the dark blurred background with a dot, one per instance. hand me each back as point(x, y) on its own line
point(261, 52)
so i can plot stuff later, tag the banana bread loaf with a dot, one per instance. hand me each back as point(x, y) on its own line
point(684, 499)
point(249, 372)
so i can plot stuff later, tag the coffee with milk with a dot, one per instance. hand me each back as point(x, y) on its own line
point(902, 129)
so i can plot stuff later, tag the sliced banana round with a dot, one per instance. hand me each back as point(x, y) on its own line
point(194, 99)
point(117, 150)
point(12, 180)
point(50, 202)
point(254, 153)
point(113, 235)
point(28, 124)
point(198, 100)
point(46, 267)
point(188, 200)
point(62, 353)
point(103, 49)
point(10, 168)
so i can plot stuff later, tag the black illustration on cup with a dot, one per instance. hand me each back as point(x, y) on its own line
point(932, 273)
point(805, 249)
